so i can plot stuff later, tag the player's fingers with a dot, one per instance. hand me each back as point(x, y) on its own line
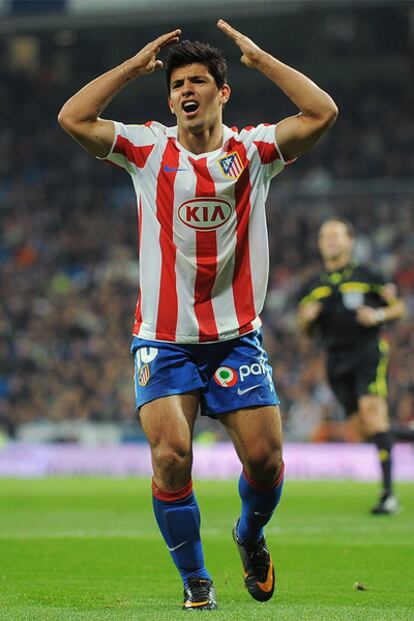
point(246, 61)
point(169, 37)
point(228, 30)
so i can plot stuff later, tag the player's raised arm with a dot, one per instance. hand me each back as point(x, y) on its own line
point(79, 116)
point(318, 111)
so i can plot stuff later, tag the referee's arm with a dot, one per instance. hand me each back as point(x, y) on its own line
point(307, 314)
point(396, 309)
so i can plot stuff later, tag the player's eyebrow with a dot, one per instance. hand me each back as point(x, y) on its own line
point(192, 78)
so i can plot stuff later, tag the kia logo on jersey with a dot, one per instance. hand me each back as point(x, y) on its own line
point(207, 213)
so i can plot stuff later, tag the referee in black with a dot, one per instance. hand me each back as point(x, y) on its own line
point(345, 304)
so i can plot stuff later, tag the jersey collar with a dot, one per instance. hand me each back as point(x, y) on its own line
point(172, 132)
point(340, 275)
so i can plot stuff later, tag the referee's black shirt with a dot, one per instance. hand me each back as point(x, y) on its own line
point(341, 293)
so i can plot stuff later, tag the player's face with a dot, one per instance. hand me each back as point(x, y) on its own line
point(195, 98)
point(334, 241)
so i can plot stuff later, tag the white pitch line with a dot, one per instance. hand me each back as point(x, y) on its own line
point(210, 532)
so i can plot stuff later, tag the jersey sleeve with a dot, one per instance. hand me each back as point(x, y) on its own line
point(263, 137)
point(303, 294)
point(313, 291)
point(133, 145)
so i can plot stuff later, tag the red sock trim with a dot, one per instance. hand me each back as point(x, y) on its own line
point(262, 487)
point(166, 496)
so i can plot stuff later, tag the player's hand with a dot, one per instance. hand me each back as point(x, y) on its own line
point(309, 312)
point(146, 60)
point(368, 316)
point(252, 54)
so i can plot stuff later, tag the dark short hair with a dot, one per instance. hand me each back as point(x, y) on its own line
point(347, 224)
point(188, 52)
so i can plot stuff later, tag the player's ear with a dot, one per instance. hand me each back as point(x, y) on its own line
point(225, 93)
point(171, 106)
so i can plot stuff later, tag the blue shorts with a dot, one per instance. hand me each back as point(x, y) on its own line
point(229, 375)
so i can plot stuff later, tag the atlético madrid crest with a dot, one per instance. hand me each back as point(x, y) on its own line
point(231, 165)
point(143, 375)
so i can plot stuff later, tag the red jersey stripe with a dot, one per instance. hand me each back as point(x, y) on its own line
point(134, 154)
point(168, 299)
point(242, 277)
point(206, 249)
point(267, 151)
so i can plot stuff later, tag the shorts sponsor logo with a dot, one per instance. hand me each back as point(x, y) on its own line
point(225, 377)
point(144, 375)
point(257, 368)
point(205, 213)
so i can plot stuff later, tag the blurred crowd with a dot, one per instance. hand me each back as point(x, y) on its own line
point(69, 274)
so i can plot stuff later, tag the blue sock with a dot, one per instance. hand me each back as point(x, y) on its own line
point(178, 518)
point(258, 503)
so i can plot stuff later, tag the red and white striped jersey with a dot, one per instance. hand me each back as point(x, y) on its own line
point(203, 248)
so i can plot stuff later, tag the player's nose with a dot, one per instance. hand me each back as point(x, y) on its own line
point(187, 87)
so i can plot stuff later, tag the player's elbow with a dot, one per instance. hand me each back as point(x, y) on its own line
point(64, 120)
point(332, 113)
point(324, 113)
point(328, 114)
point(70, 121)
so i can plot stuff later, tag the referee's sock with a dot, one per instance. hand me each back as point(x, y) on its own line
point(258, 504)
point(383, 442)
point(178, 518)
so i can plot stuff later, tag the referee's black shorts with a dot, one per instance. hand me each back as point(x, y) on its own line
point(355, 372)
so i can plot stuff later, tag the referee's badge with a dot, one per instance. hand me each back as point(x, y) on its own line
point(144, 375)
point(352, 299)
point(231, 165)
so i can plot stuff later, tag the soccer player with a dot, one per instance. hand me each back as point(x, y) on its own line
point(346, 303)
point(201, 190)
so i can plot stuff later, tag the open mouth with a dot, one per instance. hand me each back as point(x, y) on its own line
point(190, 106)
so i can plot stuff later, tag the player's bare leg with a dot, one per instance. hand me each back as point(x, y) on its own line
point(373, 415)
point(257, 436)
point(170, 442)
point(168, 424)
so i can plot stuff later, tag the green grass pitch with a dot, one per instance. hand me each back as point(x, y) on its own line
point(88, 549)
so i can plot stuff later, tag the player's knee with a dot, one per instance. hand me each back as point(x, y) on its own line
point(264, 464)
point(172, 460)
